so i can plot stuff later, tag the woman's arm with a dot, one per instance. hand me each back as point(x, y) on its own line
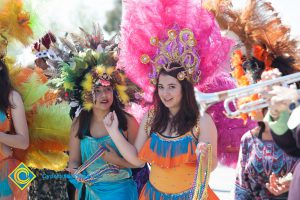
point(112, 156)
point(208, 134)
point(128, 151)
point(21, 139)
point(74, 147)
point(5, 151)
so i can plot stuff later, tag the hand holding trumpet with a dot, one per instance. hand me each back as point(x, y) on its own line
point(278, 97)
point(271, 80)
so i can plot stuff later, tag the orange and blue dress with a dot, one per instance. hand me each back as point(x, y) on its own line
point(173, 163)
point(7, 164)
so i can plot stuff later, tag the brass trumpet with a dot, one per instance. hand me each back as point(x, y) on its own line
point(231, 96)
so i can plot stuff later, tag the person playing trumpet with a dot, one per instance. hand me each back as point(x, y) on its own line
point(267, 45)
point(285, 127)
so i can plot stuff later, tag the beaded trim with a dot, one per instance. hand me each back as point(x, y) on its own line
point(199, 186)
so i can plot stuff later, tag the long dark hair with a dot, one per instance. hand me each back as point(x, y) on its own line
point(86, 116)
point(186, 118)
point(5, 86)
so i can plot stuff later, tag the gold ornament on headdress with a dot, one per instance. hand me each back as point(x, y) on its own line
point(179, 48)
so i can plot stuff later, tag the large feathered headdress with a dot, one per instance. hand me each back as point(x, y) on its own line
point(267, 42)
point(85, 62)
point(261, 32)
point(155, 34)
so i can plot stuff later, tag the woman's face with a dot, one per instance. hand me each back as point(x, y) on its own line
point(170, 92)
point(103, 97)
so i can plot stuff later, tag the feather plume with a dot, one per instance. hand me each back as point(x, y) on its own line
point(257, 23)
point(68, 45)
point(78, 40)
point(38, 159)
point(32, 90)
point(14, 21)
point(51, 123)
point(98, 33)
point(49, 128)
point(154, 19)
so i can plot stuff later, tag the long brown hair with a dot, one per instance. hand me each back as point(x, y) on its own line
point(186, 118)
point(86, 116)
point(5, 86)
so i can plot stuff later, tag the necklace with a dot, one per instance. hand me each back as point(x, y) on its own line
point(200, 184)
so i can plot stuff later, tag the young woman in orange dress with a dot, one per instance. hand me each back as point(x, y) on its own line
point(176, 43)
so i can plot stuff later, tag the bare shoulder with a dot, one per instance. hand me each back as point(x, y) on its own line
point(15, 98)
point(207, 125)
point(75, 126)
point(206, 119)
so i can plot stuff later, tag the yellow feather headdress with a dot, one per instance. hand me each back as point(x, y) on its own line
point(91, 69)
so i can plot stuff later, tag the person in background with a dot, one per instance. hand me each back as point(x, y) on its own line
point(13, 134)
point(282, 102)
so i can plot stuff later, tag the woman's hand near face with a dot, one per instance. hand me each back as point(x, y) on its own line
point(111, 122)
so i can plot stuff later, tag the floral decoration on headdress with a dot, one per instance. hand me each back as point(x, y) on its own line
point(89, 70)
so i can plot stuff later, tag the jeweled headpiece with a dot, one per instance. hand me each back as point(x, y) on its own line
point(178, 48)
point(155, 34)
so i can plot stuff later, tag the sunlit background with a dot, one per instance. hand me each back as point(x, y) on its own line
point(61, 16)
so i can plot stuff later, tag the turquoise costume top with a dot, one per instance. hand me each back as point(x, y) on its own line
point(109, 186)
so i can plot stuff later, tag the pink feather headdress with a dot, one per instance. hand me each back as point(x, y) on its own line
point(144, 20)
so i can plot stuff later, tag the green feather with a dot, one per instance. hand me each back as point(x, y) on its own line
point(32, 90)
point(51, 123)
point(35, 22)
